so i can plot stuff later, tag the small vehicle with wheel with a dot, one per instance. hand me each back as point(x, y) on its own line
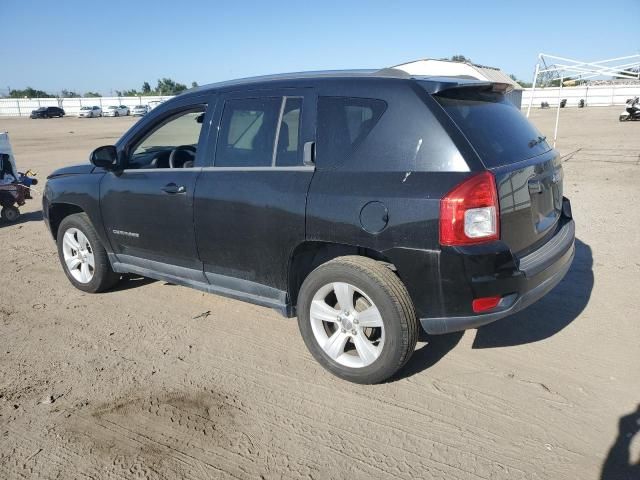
point(47, 112)
point(116, 111)
point(15, 187)
point(367, 204)
point(90, 112)
point(631, 110)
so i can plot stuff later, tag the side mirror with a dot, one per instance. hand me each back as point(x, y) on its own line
point(105, 157)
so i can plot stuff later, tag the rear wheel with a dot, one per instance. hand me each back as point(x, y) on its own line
point(117, 114)
point(10, 214)
point(83, 257)
point(357, 319)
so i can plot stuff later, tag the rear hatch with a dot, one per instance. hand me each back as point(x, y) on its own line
point(527, 170)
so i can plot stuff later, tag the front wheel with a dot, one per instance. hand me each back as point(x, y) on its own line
point(623, 118)
point(83, 258)
point(10, 214)
point(357, 319)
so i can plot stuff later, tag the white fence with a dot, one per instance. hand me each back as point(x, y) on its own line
point(21, 107)
point(593, 96)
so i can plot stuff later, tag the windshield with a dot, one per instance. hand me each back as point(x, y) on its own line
point(497, 130)
point(85, 108)
point(112, 108)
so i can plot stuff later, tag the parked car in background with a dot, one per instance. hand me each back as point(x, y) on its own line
point(139, 110)
point(116, 111)
point(370, 205)
point(90, 112)
point(47, 112)
point(153, 104)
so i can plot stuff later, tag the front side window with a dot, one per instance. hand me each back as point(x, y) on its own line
point(344, 123)
point(172, 144)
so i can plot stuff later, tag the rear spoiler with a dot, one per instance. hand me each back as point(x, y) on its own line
point(435, 85)
point(440, 85)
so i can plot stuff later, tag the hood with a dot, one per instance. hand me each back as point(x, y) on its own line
point(73, 170)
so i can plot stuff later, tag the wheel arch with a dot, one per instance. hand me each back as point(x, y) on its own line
point(58, 212)
point(309, 255)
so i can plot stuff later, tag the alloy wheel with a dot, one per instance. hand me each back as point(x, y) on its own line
point(347, 325)
point(78, 255)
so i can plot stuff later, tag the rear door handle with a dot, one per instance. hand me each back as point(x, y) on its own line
point(173, 188)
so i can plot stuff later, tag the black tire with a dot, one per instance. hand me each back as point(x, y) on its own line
point(117, 114)
point(10, 214)
point(390, 296)
point(103, 275)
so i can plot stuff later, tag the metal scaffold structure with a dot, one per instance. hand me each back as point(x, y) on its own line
point(551, 67)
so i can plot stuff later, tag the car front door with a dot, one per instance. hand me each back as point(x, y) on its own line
point(147, 207)
point(250, 204)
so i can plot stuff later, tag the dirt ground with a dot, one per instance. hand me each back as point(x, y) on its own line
point(159, 381)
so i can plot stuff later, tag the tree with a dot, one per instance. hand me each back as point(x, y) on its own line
point(194, 84)
point(68, 94)
point(460, 58)
point(522, 83)
point(92, 94)
point(29, 93)
point(146, 88)
point(166, 86)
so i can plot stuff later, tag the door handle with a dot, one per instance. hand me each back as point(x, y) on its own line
point(172, 188)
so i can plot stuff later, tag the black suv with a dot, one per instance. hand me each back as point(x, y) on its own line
point(47, 112)
point(366, 204)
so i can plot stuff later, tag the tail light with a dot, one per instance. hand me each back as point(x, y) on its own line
point(469, 214)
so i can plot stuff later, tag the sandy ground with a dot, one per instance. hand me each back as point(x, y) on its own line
point(159, 381)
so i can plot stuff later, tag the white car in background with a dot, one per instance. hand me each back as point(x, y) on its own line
point(90, 112)
point(139, 110)
point(153, 104)
point(116, 111)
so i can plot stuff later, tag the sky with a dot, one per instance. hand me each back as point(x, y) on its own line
point(96, 45)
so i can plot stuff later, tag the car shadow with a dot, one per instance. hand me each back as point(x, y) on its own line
point(617, 465)
point(24, 218)
point(541, 320)
point(550, 314)
point(425, 357)
point(129, 281)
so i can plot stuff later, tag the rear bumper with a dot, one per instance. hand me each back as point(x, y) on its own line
point(536, 275)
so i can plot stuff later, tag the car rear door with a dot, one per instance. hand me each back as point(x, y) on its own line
point(147, 208)
point(250, 202)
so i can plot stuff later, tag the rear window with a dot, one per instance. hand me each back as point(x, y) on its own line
point(344, 122)
point(495, 127)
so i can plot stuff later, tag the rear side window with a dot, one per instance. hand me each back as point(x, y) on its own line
point(495, 127)
point(249, 128)
point(344, 122)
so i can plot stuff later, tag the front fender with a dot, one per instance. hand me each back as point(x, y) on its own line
point(70, 194)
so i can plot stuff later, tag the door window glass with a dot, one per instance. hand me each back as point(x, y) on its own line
point(179, 135)
point(289, 134)
point(247, 132)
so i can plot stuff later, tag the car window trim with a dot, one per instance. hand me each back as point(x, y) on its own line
point(301, 168)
